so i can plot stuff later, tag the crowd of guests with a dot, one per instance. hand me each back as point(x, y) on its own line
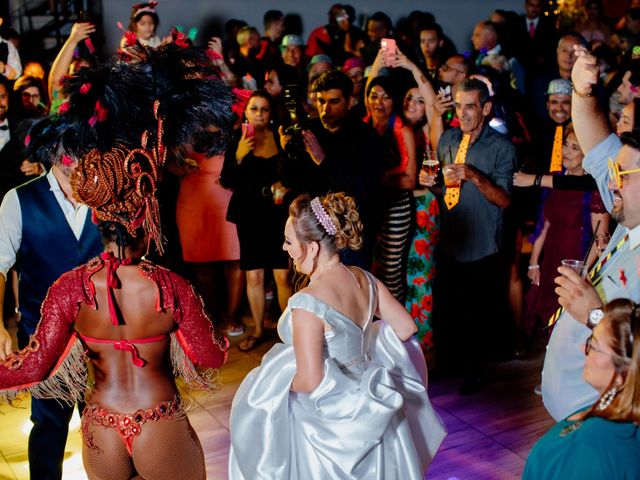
point(480, 179)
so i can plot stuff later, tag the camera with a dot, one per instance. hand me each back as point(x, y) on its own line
point(297, 120)
point(296, 113)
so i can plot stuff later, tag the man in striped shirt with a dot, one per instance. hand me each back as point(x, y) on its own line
point(468, 273)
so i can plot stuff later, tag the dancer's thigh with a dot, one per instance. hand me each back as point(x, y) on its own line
point(169, 449)
point(109, 460)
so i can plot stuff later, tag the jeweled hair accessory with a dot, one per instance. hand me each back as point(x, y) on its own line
point(323, 217)
point(120, 184)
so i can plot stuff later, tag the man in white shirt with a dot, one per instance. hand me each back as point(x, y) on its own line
point(47, 233)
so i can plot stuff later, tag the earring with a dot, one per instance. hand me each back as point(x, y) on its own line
point(607, 398)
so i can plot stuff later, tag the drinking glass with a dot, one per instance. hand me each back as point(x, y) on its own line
point(577, 266)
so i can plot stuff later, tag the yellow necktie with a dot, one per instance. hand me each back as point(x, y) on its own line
point(452, 194)
point(556, 153)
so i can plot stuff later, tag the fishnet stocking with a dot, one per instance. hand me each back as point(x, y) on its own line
point(165, 450)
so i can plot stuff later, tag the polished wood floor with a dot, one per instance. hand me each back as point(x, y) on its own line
point(490, 433)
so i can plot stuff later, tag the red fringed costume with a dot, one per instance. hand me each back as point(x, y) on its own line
point(54, 364)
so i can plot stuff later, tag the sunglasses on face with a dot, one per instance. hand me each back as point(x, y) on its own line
point(616, 174)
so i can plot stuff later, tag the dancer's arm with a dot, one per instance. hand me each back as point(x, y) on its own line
point(195, 332)
point(52, 339)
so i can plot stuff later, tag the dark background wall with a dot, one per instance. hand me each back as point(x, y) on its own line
point(457, 17)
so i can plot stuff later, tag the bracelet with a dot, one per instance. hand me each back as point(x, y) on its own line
point(533, 267)
point(537, 181)
point(581, 95)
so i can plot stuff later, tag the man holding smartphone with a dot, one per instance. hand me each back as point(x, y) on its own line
point(453, 72)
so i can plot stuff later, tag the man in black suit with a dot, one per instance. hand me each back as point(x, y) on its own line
point(539, 39)
point(10, 175)
point(15, 169)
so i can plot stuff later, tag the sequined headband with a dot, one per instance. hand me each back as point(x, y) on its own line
point(323, 217)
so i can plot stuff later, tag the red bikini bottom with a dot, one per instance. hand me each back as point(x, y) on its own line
point(129, 425)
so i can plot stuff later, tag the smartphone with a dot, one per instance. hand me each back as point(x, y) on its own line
point(389, 49)
point(248, 130)
point(445, 91)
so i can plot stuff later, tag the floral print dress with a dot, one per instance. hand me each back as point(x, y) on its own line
point(421, 266)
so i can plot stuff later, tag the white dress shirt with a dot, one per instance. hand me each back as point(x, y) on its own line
point(5, 135)
point(11, 222)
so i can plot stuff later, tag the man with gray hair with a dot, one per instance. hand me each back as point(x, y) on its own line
point(478, 165)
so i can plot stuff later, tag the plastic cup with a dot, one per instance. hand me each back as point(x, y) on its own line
point(447, 181)
point(577, 266)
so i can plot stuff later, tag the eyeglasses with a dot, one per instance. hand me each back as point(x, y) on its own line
point(616, 174)
point(446, 67)
point(590, 347)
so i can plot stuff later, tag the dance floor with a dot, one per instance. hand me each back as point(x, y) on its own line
point(490, 433)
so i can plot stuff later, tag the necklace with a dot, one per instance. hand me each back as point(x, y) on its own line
point(340, 264)
point(571, 428)
point(315, 276)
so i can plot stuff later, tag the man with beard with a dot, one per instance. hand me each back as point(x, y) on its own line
point(615, 165)
point(338, 153)
point(44, 232)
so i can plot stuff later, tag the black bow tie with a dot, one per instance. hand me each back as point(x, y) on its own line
point(4, 127)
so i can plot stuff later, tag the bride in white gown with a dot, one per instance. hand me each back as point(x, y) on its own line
point(343, 397)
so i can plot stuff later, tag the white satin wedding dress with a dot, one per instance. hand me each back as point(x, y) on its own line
point(370, 417)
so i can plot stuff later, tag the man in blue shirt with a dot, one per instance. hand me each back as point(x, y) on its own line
point(615, 274)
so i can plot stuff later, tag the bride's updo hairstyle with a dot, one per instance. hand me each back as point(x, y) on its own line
point(332, 220)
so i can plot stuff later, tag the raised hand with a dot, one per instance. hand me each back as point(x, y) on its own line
point(585, 71)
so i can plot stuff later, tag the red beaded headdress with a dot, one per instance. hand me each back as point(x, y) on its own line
point(120, 184)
